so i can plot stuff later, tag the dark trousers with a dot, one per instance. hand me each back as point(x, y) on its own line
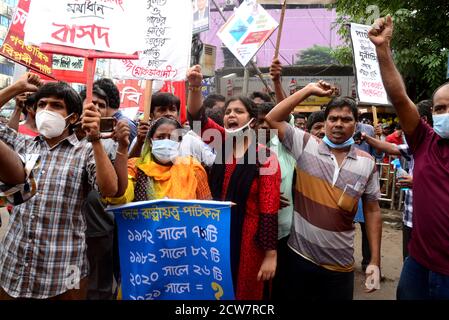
point(73, 294)
point(99, 254)
point(419, 283)
point(406, 236)
point(310, 282)
point(366, 253)
point(280, 279)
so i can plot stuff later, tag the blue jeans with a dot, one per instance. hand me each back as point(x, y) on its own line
point(420, 283)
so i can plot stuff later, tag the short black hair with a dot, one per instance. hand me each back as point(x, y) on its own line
point(61, 90)
point(259, 94)
point(165, 99)
point(162, 120)
point(96, 90)
point(425, 110)
point(342, 102)
point(111, 90)
point(212, 99)
point(215, 114)
point(29, 103)
point(265, 108)
point(299, 116)
point(317, 116)
point(248, 103)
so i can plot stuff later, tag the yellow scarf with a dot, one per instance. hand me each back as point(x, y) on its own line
point(177, 181)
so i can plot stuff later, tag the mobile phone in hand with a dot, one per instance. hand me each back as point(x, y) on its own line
point(107, 124)
point(357, 136)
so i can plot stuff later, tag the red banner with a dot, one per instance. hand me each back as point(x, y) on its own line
point(14, 48)
point(178, 88)
point(132, 93)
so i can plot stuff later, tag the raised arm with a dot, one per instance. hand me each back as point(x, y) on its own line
point(276, 117)
point(121, 135)
point(12, 171)
point(381, 35)
point(275, 73)
point(15, 116)
point(106, 176)
point(194, 98)
point(382, 146)
point(28, 82)
point(142, 131)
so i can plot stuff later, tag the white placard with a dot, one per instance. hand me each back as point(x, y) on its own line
point(370, 88)
point(168, 40)
point(247, 30)
point(104, 25)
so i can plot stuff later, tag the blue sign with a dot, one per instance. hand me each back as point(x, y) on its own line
point(174, 250)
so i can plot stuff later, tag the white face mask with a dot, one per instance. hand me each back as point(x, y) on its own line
point(50, 124)
point(441, 125)
point(165, 150)
point(240, 131)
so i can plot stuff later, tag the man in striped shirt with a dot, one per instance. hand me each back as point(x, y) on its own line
point(332, 175)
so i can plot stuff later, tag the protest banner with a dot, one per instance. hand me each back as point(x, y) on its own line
point(370, 88)
point(69, 68)
point(201, 15)
point(14, 47)
point(174, 250)
point(94, 25)
point(246, 30)
point(168, 37)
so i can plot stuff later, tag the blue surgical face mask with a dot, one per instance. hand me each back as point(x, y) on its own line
point(441, 125)
point(165, 150)
point(332, 145)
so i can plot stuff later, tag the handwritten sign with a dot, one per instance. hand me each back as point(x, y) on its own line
point(105, 25)
point(370, 88)
point(168, 36)
point(174, 250)
point(14, 47)
point(247, 30)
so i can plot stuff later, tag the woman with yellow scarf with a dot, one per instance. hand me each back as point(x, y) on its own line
point(160, 173)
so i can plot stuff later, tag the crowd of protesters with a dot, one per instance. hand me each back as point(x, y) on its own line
point(299, 183)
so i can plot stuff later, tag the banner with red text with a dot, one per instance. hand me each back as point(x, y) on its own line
point(14, 48)
point(104, 25)
point(168, 37)
point(132, 95)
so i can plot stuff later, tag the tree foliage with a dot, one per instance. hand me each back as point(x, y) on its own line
point(420, 41)
point(316, 55)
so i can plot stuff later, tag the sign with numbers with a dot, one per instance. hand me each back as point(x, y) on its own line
point(174, 250)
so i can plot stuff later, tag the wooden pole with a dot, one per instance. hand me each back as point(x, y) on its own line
point(90, 78)
point(147, 100)
point(281, 25)
point(375, 120)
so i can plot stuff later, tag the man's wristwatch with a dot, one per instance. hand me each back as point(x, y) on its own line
point(94, 138)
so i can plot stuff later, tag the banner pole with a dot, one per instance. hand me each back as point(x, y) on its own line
point(90, 78)
point(281, 25)
point(147, 100)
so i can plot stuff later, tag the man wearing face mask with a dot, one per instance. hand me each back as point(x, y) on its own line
point(43, 254)
point(425, 273)
point(332, 175)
